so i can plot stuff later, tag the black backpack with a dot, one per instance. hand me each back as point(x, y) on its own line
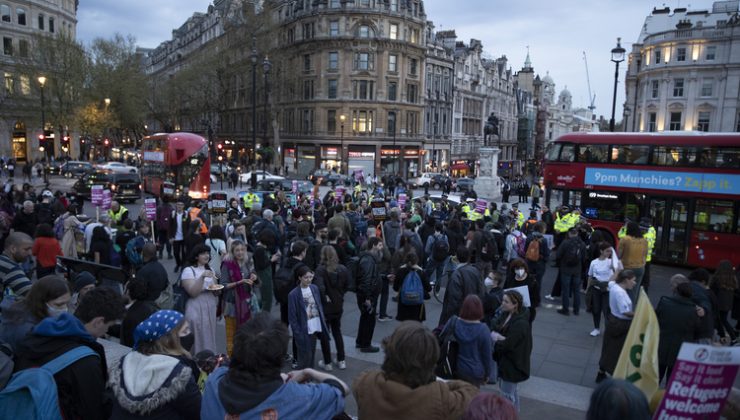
point(283, 282)
point(573, 254)
point(45, 214)
point(441, 248)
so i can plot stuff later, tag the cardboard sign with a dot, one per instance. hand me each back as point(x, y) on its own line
point(96, 195)
point(340, 194)
point(217, 202)
point(402, 200)
point(378, 210)
point(524, 291)
point(295, 186)
point(107, 198)
point(150, 206)
point(168, 188)
point(293, 198)
point(480, 206)
point(700, 382)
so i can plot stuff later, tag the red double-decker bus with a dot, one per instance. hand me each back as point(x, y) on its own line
point(175, 164)
point(688, 183)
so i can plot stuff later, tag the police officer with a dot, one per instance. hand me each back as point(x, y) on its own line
point(250, 199)
point(118, 214)
point(648, 232)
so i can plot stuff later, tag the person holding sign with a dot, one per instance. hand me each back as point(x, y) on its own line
point(618, 323)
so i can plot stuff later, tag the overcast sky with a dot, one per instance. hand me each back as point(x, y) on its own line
point(556, 31)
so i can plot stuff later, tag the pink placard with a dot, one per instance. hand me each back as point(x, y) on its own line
point(480, 206)
point(96, 195)
point(150, 206)
point(107, 198)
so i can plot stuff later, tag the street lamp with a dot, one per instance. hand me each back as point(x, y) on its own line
point(617, 57)
point(434, 144)
point(342, 118)
point(266, 66)
point(395, 155)
point(254, 57)
point(43, 146)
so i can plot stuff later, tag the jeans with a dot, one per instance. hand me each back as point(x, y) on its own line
point(384, 297)
point(509, 389)
point(163, 239)
point(599, 305)
point(178, 247)
point(537, 269)
point(333, 323)
point(306, 355)
point(436, 267)
point(571, 282)
point(367, 321)
point(722, 323)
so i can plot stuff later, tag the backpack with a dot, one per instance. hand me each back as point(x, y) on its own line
point(59, 227)
point(353, 265)
point(449, 349)
point(32, 393)
point(533, 250)
point(283, 282)
point(133, 251)
point(166, 299)
point(45, 213)
point(520, 241)
point(573, 255)
point(180, 296)
point(492, 247)
point(440, 249)
point(412, 291)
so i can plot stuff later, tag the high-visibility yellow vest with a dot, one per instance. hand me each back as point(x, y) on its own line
point(116, 217)
point(250, 199)
point(650, 235)
point(561, 224)
point(622, 232)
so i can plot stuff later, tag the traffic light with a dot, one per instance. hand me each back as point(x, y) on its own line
point(220, 151)
point(42, 143)
point(106, 142)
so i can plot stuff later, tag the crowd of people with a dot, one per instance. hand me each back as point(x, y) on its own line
point(305, 256)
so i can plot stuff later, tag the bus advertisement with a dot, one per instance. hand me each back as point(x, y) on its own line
point(687, 184)
point(176, 164)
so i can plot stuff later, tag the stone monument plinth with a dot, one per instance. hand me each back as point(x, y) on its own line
point(488, 184)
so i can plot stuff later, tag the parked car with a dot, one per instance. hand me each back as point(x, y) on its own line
point(464, 184)
point(335, 179)
point(247, 177)
point(55, 167)
point(118, 167)
point(75, 168)
point(317, 175)
point(425, 179)
point(124, 186)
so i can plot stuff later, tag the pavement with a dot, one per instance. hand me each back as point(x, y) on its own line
point(564, 359)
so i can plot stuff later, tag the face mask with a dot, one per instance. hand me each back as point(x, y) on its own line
point(55, 312)
point(187, 341)
point(519, 272)
point(488, 282)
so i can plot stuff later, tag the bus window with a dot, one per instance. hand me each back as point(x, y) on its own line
point(553, 150)
point(672, 156)
point(603, 205)
point(593, 153)
point(634, 154)
point(568, 153)
point(728, 158)
point(714, 216)
point(635, 202)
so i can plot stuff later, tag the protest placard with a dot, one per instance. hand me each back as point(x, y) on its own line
point(107, 198)
point(150, 206)
point(96, 195)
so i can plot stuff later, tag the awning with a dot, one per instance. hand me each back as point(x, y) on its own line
point(460, 167)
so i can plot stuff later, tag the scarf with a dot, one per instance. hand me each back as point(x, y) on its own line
point(242, 297)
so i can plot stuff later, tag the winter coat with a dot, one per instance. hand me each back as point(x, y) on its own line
point(475, 350)
point(678, 323)
point(513, 353)
point(465, 280)
point(701, 297)
point(136, 313)
point(332, 286)
point(156, 278)
point(16, 321)
point(392, 234)
point(381, 398)
point(369, 281)
point(411, 312)
point(81, 386)
point(297, 318)
point(154, 386)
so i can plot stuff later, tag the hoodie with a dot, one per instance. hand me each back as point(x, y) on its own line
point(250, 398)
point(154, 386)
point(474, 358)
point(81, 385)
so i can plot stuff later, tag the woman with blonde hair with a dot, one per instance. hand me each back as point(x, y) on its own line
point(156, 379)
point(240, 298)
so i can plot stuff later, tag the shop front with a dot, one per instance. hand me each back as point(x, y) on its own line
point(306, 161)
point(460, 168)
point(331, 159)
point(411, 162)
point(20, 142)
point(361, 158)
point(389, 160)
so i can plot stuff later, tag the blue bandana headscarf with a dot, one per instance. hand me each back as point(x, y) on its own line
point(157, 325)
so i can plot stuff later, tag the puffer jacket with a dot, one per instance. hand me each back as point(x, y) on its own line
point(154, 387)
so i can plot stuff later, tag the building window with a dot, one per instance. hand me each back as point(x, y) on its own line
point(706, 86)
point(681, 54)
point(657, 56)
point(654, 89)
point(5, 12)
point(363, 3)
point(394, 5)
point(414, 36)
point(392, 91)
point(307, 89)
point(364, 61)
point(411, 93)
point(291, 35)
point(331, 121)
point(332, 84)
point(51, 24)
point(677, 88)
point(652, 122)
point(307, 123)
point(362, 121)
point(675, 123)
point(364, 31)
point(307, 62)
point(23, 48)
point(363, 89)
point(308, 30)
point(21, 16)
point(334, 28)
point(412, 123)
point(711, 53)
point(7, 46)
point(393, 31)
point(393, 63)
point(413, 66)
point(392, 123)
point(333, 60)
point(9, 84)
point(702, 123)
point(41, 22)
point(25, 85)
point(334, 4)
